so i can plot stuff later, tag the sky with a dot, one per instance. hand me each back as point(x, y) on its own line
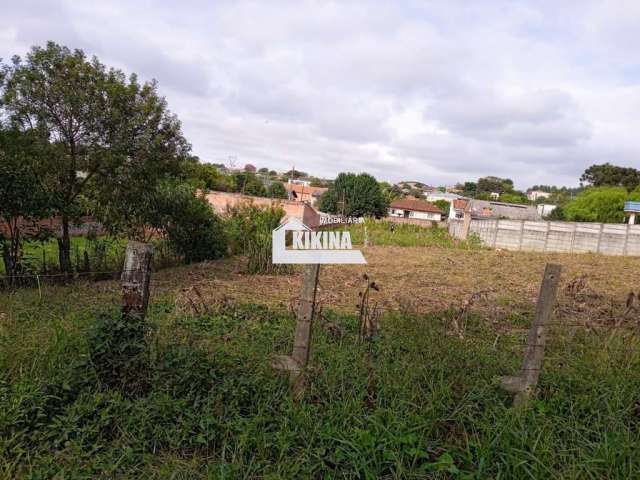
point(439, 92)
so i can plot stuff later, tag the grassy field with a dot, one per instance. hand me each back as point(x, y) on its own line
point(201, 400)
point(103, 252)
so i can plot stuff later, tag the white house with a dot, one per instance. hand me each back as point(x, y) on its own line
point(545, 209)
point(415, 209)
point(534, 195)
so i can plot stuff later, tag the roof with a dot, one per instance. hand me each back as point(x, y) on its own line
point(460, 204)
point(415, 205)
point(300, 189)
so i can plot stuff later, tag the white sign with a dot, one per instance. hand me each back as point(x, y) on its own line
point(324, 247)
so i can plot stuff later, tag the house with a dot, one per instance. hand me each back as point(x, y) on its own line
point(533, 195)
point(545, 209)
point(484, 209)
point(446, 196)
point(415, 209)
point(222, 202)
point(304, 193)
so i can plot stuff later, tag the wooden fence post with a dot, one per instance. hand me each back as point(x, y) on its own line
point(366, 236)
point(296, 363)
point(136, 275)
point(524, 385)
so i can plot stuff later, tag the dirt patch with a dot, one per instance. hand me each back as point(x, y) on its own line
point(594, 287)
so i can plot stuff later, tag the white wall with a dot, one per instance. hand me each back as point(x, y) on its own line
point(397, 212)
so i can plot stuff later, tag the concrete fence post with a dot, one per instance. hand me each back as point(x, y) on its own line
point(521, 238)
point(297, 362)
point(524, 385)
point(600, 238)
point(466, 224)
point(136, 276)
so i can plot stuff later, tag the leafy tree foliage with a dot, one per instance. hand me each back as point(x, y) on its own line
point(207, 177)
point(514, 197)
point(295, 174)
point(390, 192)
point(598, 204)
point(494, 184)
point(355, 195)
point(21, 194)
point(469, 189)
point(249, 184)
point(105, 132)
point(276, 190)
point(188, 221)
point(444, 206)
point(611, 175)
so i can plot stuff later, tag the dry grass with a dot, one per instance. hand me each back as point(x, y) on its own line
point(594, 288)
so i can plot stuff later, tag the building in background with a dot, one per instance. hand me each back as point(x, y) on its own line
point(413, 208)
point(222, 202)
point(534, 195)
point(545, 209)
point(487, 209)
point(304, 193)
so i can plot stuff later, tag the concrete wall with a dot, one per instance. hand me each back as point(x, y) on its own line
point(570, 237)
point(223, 201)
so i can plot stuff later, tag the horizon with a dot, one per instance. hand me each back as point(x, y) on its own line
point(438, 94)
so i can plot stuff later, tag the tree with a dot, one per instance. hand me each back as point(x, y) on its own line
point(21, 194)
point(103, 129)
point(598, 204)
point(494, 184)
point(390, 192)
point(444, 206)
point(354, 195)
point(469, 189)
point(191, 227)
point(295, 174)
point(249, 184)
point(514, 197)
point(276, 190)
point(206, 176)
point(611, 175)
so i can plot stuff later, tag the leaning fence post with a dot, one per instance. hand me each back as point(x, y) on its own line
point(299, 358)
point(466, 224)
point(136, 275)
point(525, 384)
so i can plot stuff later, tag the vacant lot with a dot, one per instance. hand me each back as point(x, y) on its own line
point(200, 400)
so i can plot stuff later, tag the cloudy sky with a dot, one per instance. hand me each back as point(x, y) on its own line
point(440, 91)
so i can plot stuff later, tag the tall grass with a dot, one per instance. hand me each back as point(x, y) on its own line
point(215, 409)
point(381, 233)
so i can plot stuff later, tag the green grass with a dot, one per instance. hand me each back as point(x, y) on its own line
point(382, 233)
point(416, 403)
point(42, 257)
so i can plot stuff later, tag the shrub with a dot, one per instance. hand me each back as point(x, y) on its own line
point(193, 230)
point(249, 231)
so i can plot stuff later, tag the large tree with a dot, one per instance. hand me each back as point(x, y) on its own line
point(104, 130)
point(21, 194)
point(599, 204)
point(611, 175)
point(354, 195)
point(494, 185)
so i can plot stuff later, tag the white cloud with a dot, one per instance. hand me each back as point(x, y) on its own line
point(438, 92)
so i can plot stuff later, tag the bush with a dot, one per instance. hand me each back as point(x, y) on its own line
point(249, 231)
point(193, 230)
